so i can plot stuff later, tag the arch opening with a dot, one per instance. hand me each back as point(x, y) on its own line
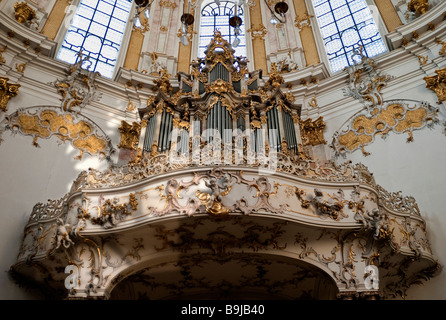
point(240, 276)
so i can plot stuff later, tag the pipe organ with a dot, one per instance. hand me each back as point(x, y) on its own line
point(220, 103)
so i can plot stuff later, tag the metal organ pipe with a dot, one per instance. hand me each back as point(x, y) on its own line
point(165, 129)
point(290, 134)
point(161, 133)
point(279, 136)
point(286, 129)
point(184, 141)
point(273, 114)
point(228, 126)
point(148, 140)
point(270, 132)
point(218, 120)
point(274, 128)
point(168, 132)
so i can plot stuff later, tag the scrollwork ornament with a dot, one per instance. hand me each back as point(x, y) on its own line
point(437, 84)
point(23, 12)
point(394, 116)
point(112, 212)
point(258, 32)
point(365, 80)
point(46, 123)
point(129, 135)
point(78, 88)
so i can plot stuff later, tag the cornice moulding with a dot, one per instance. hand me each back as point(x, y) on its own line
point(7, 24)
point(419, 25)
point(143, 221)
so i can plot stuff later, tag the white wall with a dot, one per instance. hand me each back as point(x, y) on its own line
point(417, 169)
point(30, 175)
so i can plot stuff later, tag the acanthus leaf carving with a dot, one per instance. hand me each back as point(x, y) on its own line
point(111, 212)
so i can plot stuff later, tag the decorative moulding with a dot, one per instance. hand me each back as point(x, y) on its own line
point(398, 116)
point(22, 33)
point(216, 212)
point(437, 83)
point(49, 122)
point(7, 91)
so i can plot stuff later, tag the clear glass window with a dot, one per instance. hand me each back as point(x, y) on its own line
point(98, 30)
point(216, 17)
point(345, 25)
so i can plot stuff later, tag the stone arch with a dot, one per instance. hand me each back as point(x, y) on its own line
point(258, 247)
point(239, 275)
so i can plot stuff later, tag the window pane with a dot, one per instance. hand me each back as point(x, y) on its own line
point(345, 25)
point(97, 29)
point(216, 17)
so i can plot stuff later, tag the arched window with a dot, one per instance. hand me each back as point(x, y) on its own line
point(97, 29)
point(216, 17)
point(344, 25)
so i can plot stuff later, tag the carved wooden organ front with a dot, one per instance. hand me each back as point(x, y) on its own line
point(220, 104)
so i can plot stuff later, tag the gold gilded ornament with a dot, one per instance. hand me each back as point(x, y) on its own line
point(313, 131)
point(7, 91)
point(129, 135)
point(437, 84)
point(395, 117)
point(48, 123)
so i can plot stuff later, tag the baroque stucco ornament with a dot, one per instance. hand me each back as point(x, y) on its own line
point(23, 12)
point(252, 222)
point(437, 84)
point(78, 88)
point(47, 122)
point(7, 91)
point(394, 116)
point(129, 135)
point(365, 80)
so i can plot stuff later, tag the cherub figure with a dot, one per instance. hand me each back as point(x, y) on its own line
point(62, 235)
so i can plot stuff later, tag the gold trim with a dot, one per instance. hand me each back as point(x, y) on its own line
point(7, 91)
point(388, 14)
point(437, 84)
point(129, 135)
point(23, 12)
point(313, 131)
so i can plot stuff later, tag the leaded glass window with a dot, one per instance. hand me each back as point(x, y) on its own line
point(97, 29)
point(345, 25)
point(216, 17)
